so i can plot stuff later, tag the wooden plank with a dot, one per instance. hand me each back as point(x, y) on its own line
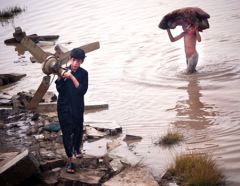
point(52, 107)
point(19, 168)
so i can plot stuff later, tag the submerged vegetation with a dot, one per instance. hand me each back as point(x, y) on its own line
point(9, 13)
point(197, 170)
point(171, 138)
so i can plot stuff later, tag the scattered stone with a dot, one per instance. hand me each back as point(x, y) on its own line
point(132, 139)
point(39, 137)
point(92, 133)
point(35, 116)
point(21, 100)
point(52, 127)
point(5, 95)
point(51, 177)
point(45, 141)
point(5, 102)
point(51, 164)
point(111, 127)
point(47, 155)
point(116, 165)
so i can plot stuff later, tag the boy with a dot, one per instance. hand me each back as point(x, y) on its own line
point(191, 36)
point(72, 86)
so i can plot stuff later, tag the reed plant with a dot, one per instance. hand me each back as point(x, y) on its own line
point(196, 169)
point(171, 137)
point(10, 12)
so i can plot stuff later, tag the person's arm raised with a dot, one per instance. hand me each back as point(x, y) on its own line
point(172, 39)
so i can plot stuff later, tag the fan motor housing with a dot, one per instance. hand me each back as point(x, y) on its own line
point(49, 65)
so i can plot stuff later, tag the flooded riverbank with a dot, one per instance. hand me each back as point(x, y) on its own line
point(141, 75)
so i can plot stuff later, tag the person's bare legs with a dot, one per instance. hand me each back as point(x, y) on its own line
point(192, 63)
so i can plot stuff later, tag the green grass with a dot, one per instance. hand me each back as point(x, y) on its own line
point(197, 170)
point(171, 138)
point(10, 12)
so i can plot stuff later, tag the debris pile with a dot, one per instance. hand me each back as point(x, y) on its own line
point(41, 138)
point(21, 99)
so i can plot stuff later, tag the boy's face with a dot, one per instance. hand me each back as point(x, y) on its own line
point(75, 63)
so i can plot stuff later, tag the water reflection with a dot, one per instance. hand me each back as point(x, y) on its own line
point(192, 112)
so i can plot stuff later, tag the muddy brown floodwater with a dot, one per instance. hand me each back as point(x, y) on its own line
point(141, 74)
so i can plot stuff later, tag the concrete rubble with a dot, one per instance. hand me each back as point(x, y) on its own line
point(44, 157)
point(132, 176)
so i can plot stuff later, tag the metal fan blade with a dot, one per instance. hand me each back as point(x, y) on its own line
point(42, 89)
point(35, 50)
point(87, 48)
point(90, 47)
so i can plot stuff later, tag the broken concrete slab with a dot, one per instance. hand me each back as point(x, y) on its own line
point(51, 164)
point(92, 133)
point(6, 79)
point(20, 168)
point(96, 148)
point(51, 177)
point(106, 126)
point(4, 95)
point(133, 176)
point(113, 144)
point(132, 138)
point(116, 165)
point(83, 176)
point(5, 100)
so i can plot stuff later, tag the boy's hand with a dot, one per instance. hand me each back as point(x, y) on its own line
point(67, 74)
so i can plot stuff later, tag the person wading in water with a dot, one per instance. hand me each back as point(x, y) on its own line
point(191, 36)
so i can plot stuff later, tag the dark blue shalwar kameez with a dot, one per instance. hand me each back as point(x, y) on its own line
point(70, 107)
